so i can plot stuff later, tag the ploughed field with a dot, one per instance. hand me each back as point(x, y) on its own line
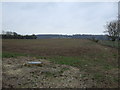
point(66, 63)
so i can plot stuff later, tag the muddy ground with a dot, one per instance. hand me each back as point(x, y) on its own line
point(49, 75)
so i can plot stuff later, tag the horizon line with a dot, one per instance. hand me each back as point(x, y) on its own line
point(67, 34)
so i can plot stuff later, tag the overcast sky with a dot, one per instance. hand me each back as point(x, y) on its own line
point(57, 18)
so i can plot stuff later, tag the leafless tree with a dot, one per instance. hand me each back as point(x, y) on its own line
point(112, 30)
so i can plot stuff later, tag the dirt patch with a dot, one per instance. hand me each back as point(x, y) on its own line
point(50, 75)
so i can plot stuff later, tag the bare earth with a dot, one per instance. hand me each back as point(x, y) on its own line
point(50, 75)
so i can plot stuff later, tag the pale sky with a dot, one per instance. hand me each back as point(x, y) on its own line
point(58, 17)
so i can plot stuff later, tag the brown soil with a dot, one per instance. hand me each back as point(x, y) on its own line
point(50, 47)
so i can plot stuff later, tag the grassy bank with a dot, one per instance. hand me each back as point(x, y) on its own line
point(114, 44)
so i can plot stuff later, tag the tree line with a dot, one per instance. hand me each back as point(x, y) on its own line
point(112, 31)
point(14, 35)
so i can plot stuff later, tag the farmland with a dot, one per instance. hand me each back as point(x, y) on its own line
point(94, 65)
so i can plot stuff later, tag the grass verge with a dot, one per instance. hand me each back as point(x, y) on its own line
point(13, 55)
point(115, 44)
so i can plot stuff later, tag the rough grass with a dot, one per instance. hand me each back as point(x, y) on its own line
point(98, 61)
point(114, 44)
point(13, 55)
